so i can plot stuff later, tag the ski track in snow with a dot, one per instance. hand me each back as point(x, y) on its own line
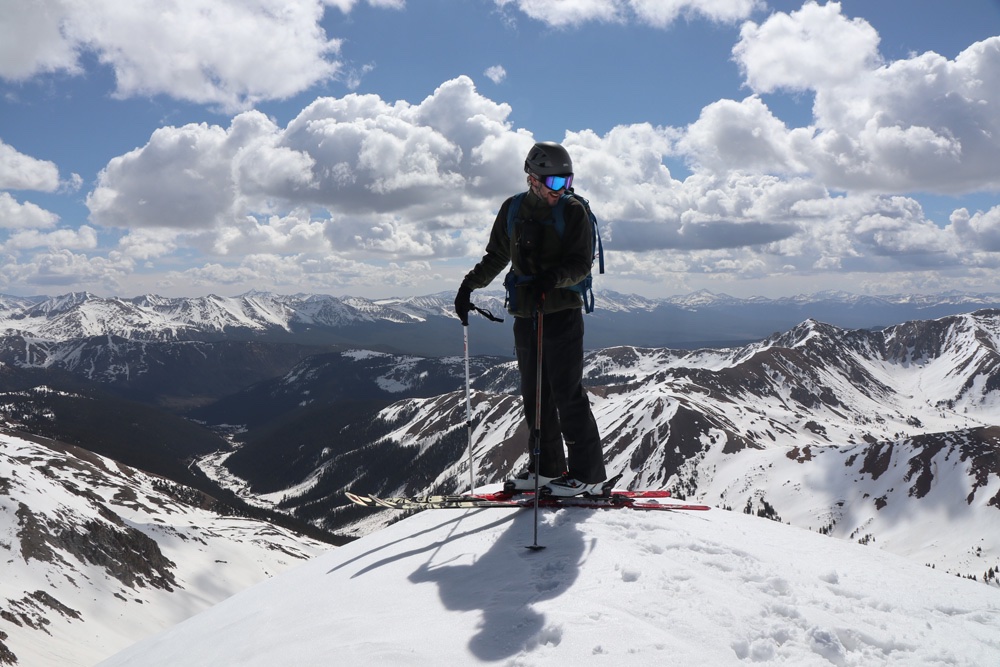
point(613, 587)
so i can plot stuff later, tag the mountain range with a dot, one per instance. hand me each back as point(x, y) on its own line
point(858, 434)
point(426, 326)
point(881, 432)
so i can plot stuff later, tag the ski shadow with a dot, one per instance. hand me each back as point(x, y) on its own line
point(506, 581)
point(435, 546)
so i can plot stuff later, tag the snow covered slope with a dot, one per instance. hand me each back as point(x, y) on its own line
point(612, 587)
point(889, 437)
point(95, 555)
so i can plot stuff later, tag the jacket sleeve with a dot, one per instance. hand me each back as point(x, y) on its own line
point(497, 255)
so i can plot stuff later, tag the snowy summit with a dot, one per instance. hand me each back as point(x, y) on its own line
point(612, 587)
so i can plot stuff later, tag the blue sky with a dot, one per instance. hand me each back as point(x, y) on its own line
point(350, 147)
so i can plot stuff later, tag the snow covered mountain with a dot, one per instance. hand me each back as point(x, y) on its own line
point(426, 325)
point(623, 588)
point(182, 353)
point(151, 317)
point(887, 437)
point(96, 555)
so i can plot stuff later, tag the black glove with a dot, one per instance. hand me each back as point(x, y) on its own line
point(545, 282)
point(463, 303)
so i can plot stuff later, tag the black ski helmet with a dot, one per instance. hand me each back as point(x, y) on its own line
point(547, 158)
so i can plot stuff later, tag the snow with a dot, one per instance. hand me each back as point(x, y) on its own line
point(67, 490)
point(612, 587)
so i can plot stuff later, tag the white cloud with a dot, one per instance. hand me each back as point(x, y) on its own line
point(919, 124)
point(147, 244)
point(745, 135)
point(23, 172)
point(979, 232)
point(351, 193)
point(228, 53)
point(496, 73)
point(662, 13)
point(657, 13)
point(82, 238)
point(180, 179)
point(15, 215)
point(562, 13)
point(359, 189)
point(812, 48)
point(382, 179)
point(293, 273)
point(62, 268)
point(32, 40)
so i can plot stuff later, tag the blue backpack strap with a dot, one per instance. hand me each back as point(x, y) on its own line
point(558, 214)
point(515, 206)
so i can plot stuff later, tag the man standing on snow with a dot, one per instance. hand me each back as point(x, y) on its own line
point(543, 262)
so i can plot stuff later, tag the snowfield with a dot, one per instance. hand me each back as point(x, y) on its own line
point(95, 555)
point(612, 587)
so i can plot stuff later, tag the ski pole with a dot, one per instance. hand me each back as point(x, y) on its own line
point(538, 415)
point(468, 412)
point(468, 392)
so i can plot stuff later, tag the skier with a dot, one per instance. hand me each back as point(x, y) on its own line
point(544, 262)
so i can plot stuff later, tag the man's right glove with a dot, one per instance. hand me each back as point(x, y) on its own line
point(463, 303)
point(545, 282)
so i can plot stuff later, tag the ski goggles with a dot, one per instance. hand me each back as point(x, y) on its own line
point(557, 183)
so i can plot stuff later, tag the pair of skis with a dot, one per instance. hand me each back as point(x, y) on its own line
point(616, 499)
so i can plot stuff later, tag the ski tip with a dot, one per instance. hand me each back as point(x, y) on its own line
point(358, 499)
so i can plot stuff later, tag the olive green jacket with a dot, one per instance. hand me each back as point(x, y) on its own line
point(570, 256)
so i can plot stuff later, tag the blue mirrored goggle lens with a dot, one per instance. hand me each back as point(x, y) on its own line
point(558, 182)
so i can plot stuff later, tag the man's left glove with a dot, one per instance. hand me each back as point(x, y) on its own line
point(463, 303)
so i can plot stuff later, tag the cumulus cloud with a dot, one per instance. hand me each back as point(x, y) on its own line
point(381, 187)
point(23, 172)
point(662, 13)
point(979, 232)
point(62, 268)
point(657, 13)
point(812, 48)
point(360, 190)
point(32, 40)
point(302, 274)
point(919, 124)
point(82, 238)
point(17, 215)
point(179, 179)
point(228, 53)
point(356, 176)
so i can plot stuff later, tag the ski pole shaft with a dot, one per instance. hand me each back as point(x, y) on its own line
point(468, 413)
point(538, 415)
point(468, 391)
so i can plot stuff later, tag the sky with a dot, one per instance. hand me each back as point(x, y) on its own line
point(363, 147)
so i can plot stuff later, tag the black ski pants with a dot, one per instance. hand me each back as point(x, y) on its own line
point(566, 414)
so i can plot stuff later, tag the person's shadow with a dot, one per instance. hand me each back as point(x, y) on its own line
point(508, 579)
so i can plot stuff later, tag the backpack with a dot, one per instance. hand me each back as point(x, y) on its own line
point(585, 288)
